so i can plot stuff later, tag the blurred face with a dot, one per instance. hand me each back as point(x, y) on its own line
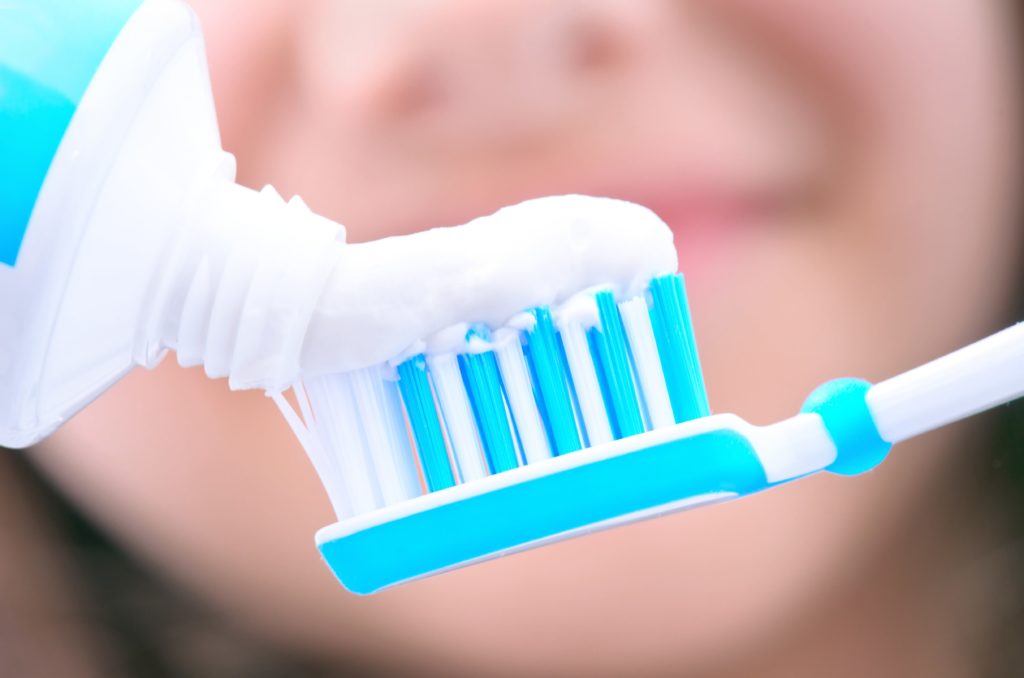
point(839, 180)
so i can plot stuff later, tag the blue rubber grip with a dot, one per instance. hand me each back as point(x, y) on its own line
point(842, 406)
point(49, 52)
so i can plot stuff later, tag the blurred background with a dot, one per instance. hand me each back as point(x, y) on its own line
point(843, 182)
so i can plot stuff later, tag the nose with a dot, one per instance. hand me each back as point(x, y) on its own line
point(486, 72)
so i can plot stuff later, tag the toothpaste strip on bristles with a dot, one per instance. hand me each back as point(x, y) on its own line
point(402, 292)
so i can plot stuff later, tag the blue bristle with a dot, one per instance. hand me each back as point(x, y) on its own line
point(544, 356)
point(426, 428)
point(553, 387)
point(571, 387)
point(595, 350)
point(483, 385)
point(673, 332)
point(614, 366)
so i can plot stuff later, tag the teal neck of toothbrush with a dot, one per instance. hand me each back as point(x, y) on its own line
point(843, 407)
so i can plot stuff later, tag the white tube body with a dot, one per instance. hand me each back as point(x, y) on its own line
point(140, 242)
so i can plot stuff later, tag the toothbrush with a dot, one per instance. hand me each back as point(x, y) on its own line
point(574, 421)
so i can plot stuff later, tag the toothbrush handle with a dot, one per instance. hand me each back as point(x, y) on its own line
point(972, 379)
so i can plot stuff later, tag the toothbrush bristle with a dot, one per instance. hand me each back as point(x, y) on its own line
point(420, 407)
point(517, 397)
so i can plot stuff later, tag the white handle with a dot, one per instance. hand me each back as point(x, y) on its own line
point(973, 379)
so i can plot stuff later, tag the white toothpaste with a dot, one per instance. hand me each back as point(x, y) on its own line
point(404, 294)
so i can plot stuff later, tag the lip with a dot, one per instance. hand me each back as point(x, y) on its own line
point(707, 221)
point(708, 216)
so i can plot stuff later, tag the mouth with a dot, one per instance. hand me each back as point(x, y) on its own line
point(707, 221)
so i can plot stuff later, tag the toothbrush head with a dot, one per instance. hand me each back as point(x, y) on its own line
point(565, 421)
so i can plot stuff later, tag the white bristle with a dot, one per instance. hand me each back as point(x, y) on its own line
point(458, 416)
point(323, 464)
point(636, 320)
point(337, 484)
point(302, 398)
point(587, 387)
point(515, 376)
point(340, 429)
point(399, 428)
point(388, 448)
point(342, 503)
point(516, 443)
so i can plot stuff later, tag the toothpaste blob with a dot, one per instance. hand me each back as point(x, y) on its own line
point(402, 295)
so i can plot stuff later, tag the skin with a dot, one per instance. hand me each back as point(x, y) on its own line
point(841, 183)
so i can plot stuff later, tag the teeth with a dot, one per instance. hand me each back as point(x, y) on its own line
point(518, 398)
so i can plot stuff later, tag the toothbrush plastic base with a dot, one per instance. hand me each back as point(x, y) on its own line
point(615, 483)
